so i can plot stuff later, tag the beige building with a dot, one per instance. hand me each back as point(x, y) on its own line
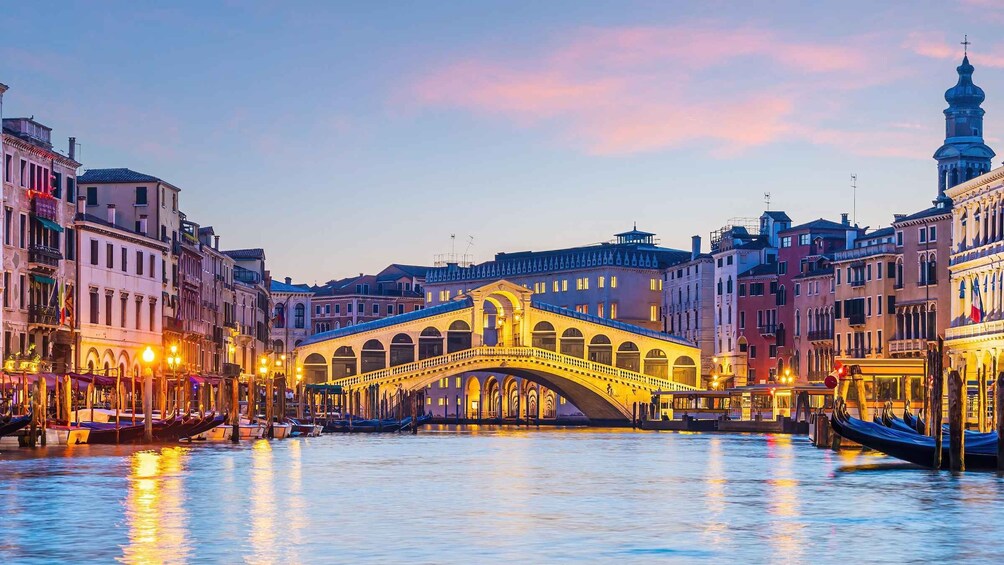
point(689, 294)
point(864, 278)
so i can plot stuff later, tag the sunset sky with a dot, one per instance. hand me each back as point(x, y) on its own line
point(343, 136)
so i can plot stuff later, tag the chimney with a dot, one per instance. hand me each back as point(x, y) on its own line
point(111, 214)
point(81, 205)
point(844, 219)
point(142, 224)
point(898, 217)
point(289, 280)
point(73, 149)
point(695, 246)
point(216, 242)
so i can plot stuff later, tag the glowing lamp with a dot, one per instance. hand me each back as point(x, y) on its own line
point(148, 355)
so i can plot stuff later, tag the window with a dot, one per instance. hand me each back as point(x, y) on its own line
point(6, 289)
point(348, 306)
point(878, 304)
point(782, 268)
point(742, 290)
point(299, 312)
point(653, 313)
point(786, 241)
point(728, 260)
point(922, 234)
point(803, 239)
point(613, 310)
point(153, 316)
point(71, 193)
point(601, 281)
point(613, 283)
point(564, 285)
point(153, 266)
point(742, 319)
point(599, 309)
point(878, 269)
point(932, 234)
point(327, 309)
point(94, 252)
point(390, 309)
point(8, 216)
point(798, 289)
point(139, 314)
point(139, 262)
point(899, 239)
point(108, 309)
point(141, 196)
point(125, 260)
point(23, 231)
point(92, 196)
point(124, 307)
point(94, 306)
point(376, 309)
point(752, 350)
point(23, 295)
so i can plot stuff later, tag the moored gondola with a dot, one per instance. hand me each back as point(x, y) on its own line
point(14, 424)
point(981, 449)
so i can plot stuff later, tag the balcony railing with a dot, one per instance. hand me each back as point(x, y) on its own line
point(767, 329)
point(859, 282)
point(908, 345)
point(43, 315)
point(821, 335)
point(861, 252)
point(857, 352)
point(44, 255)
point(975, 330)
point(856, 319)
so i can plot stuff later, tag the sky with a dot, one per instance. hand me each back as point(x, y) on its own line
point(345, 136)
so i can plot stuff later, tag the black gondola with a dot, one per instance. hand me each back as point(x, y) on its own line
point(373, 426)
point(981, 449)
point(14, 423)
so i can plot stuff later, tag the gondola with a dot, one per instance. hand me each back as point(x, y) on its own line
point(14, 423)
point(373, 426)
point(981, 450)
point(206, 424)
point(105, 433)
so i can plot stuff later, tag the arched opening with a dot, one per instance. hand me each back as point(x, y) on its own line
point(510, 404)
point(549, 405)
point(573, 344)
point(544, 336)
point(601, 350)
point(315, 369)
point(343, 362)
point(277, 346)
point(492, 398)
point(629, 357)
point(373, 357)
point(430, 343)
point(685, 371)
point(473, 394)
point(402, 350)
point(490, 337)
point(299, 316)
point(458, 336)
point(532, 402)
point(656, 364)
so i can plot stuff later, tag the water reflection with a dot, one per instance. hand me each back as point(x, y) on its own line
point(155, 508)
point(783, 502)
point(263, 508)
point(715, 526)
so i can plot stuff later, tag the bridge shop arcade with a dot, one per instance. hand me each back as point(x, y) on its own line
point(495, 353)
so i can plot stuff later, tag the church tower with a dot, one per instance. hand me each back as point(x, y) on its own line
point(964, 155)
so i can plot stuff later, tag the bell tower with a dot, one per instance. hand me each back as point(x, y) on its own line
point(964, 155)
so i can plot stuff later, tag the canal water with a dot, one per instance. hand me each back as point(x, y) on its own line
point(474, 495)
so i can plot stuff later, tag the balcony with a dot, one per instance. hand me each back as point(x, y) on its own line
point(995, 327)
point(856, 319)
point(862, 252)
point(44, 257)
point(768, 329)
point(859, 282)
point(43, 315)
point(901, 346)
point(857, 352)
point(231, 370)
point(821, 335)
point(172, 325)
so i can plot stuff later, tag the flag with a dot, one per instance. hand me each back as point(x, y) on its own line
point(62, 304)
point(976, 311)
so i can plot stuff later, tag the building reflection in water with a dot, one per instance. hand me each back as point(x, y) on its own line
point(715, 527)
point(786, 527)
point(155, 508)
point(296, 509)
point(263, 506)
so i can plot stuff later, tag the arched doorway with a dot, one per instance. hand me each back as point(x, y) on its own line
point(685, 371)
point(544, 336)
point(601, 350)
point(458, 336)
point(472, 393)
point(629, 357)
point(343, 362)
point(656, 364)
point(315, 369)
point(573, 344)
point(402, 350)
point(430, 343)
point(373, 357)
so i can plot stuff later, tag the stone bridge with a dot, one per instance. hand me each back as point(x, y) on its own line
point(603, 366)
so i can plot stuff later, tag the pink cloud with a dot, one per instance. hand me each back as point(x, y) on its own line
point(610, 91)
point(936, 46)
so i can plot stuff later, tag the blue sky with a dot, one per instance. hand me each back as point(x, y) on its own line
point(343, 136)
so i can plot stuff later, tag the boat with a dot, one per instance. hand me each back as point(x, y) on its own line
point(201, 426)
point(304, 429)
point(59, 434)
point(223, 432)
point(13, 424)
point(250, 430)
point(105, 433)
point(373, 426)
point(281, 430)
point(981, 449)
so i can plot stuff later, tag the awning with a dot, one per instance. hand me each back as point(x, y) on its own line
point(330, 389)
point(49, 224)
point(43, 279)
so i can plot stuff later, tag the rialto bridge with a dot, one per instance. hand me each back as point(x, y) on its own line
point(608, 369)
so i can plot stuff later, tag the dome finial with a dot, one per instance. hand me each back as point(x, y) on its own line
point(965, 45)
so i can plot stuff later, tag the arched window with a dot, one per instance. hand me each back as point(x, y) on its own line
point(923, 270)
point(299, 315)
point(781, 298)
point(430, 343)
point(601, 350)
point(685, 371)
point(729, 285)
point(572, 343)
point(798, 324)
point(279, 320)
point(373, 356)
point(544, 336)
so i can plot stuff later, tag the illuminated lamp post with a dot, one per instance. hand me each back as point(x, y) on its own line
point(173, 362)
point(148, 358)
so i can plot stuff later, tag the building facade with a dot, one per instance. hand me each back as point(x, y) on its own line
point(346, 302)
point(291, 317)
point(120, 310)
point(688, 298)
point(39, 192)
point(252, 308)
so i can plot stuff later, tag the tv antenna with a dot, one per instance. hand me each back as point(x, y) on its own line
point(854, 197)
point(766, 199)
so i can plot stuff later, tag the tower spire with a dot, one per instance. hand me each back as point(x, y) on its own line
point(965, 45)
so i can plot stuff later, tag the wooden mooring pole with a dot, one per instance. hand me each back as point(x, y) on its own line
point(956, 421)
point(999, 419)
point(937, 395)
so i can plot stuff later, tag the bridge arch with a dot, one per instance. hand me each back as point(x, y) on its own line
point(685, 370)
point(544, 336)
point(402, 350)
point(458, 336)
point(373, 357)
point(315, 368)
point(657, 364)
point(430, 343)
point(601, 350)
point(343, 363)
point(629, 357)
point(573, 343)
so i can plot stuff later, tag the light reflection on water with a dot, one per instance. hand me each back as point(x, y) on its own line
point(473, 495)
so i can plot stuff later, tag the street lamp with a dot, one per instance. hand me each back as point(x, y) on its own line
point(148, 356)
point(174, 363)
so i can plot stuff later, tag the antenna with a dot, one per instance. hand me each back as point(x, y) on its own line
point(470, 243)
point(766, 199)
point(453, 244)
point(854, 197)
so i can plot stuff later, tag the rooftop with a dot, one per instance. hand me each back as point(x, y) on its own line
point(819, 224)
point(255, 253)
point(278, 286)
point(114, 176)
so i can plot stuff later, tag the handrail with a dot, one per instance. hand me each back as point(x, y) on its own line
point(487, 352)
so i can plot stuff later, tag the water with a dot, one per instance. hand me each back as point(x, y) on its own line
point(473, 496)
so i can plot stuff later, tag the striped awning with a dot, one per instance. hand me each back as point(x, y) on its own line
point(46, 222)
